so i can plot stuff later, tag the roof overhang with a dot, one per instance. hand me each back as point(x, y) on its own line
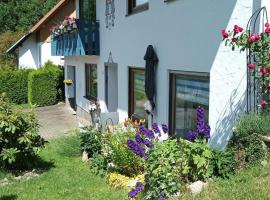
point(18, 43)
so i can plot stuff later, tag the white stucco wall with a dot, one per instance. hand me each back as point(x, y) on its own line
point(186, 36)
point(79, 62)
point(29, 54)
point(46, 54)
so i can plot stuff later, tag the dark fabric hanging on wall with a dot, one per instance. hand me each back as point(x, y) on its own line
point(151, 60)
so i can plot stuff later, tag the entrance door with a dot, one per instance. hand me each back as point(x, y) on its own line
point(71, 90)
point(111, 87)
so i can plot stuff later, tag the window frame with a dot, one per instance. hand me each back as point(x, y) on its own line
point(133, 9)
point(88, 75)
point(131, 85)
point(172, 93)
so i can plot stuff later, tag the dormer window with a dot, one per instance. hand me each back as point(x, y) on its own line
point(135, 6)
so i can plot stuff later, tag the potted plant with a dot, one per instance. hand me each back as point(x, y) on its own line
point(68, 82)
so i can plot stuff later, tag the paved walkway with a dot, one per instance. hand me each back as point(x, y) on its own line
point(57, 121)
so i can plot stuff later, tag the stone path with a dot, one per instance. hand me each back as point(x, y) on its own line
point(57, 121)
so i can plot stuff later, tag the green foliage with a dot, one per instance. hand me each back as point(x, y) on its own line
point(15, 84)
point(98, 164)
point(199, 156)
point(19, 139)
point(45, 86)
point(254, 123)
point(21, 15)
point(248, 147)
point(125, 161)
point(224, 163)
point(90, 141)
point(165, 164)
point(7, 40)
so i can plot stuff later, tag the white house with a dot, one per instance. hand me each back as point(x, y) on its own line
point(194, 69)
point(35, 46)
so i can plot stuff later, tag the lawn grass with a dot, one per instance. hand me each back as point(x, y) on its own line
point(250, 184)
point(67, 178)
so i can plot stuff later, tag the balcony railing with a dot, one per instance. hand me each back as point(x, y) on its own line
point(82, 41)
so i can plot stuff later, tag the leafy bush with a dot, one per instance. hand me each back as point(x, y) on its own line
point(45, 85)
point(98, 164)
point(253, 123)
point(165, 165)
point(125, 161)
point(19, 139)
point(248, 147)
point(15, 84)
point(224, 163)
point(199, 155)
point(90, 141)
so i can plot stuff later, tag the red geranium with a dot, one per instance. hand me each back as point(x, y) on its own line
point(251, 66)
point(264, 71)
point(237, 29)
point(263, 104)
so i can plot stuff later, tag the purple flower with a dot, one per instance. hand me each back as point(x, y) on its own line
point(165, 128)
point(192, 135)
point(200, 119)
point(138, 139)
point(155, 128)
point(161, 198)
point(147, 133)
point(148, 143)
point(139, 187)
point(133, 193)
point(207, 131)
point(136, 148)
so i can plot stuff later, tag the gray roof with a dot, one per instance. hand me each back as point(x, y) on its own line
point(18, 43)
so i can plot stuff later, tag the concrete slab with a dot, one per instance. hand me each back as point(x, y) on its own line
point(58, 120)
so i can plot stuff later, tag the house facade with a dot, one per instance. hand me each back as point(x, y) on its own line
point(105, 61)
point(35, 47)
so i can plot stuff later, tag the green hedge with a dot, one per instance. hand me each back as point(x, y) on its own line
point(14, 84)
point(45, 86)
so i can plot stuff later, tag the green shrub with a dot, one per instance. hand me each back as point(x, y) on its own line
point(90, 141)
point(254, 123)
point(125, 161)
point(248, 147)
point(19, 139)
point(45, 85)
point(224, 163)
point(15, 84)
point(98, 164)
point(164, 169)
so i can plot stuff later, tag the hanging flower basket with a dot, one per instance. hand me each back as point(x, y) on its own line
point(68, 82)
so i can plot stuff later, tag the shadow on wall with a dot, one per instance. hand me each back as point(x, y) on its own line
point(232, 111)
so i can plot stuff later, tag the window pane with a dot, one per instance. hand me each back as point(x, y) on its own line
point(139, 94)
point(139, 2)
point(87, 10)
point(190, 92)
point(93, 81)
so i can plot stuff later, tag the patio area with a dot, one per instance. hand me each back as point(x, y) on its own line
point(58, 120)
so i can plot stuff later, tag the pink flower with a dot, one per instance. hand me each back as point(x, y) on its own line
point(267, 24)
point(237, 29)
point(264, 71)
point(251, 66)
point(224, 33)
point(257, 36)
point(263, 104)
point(267, 30)
point(251, 39)
point(66, 18)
